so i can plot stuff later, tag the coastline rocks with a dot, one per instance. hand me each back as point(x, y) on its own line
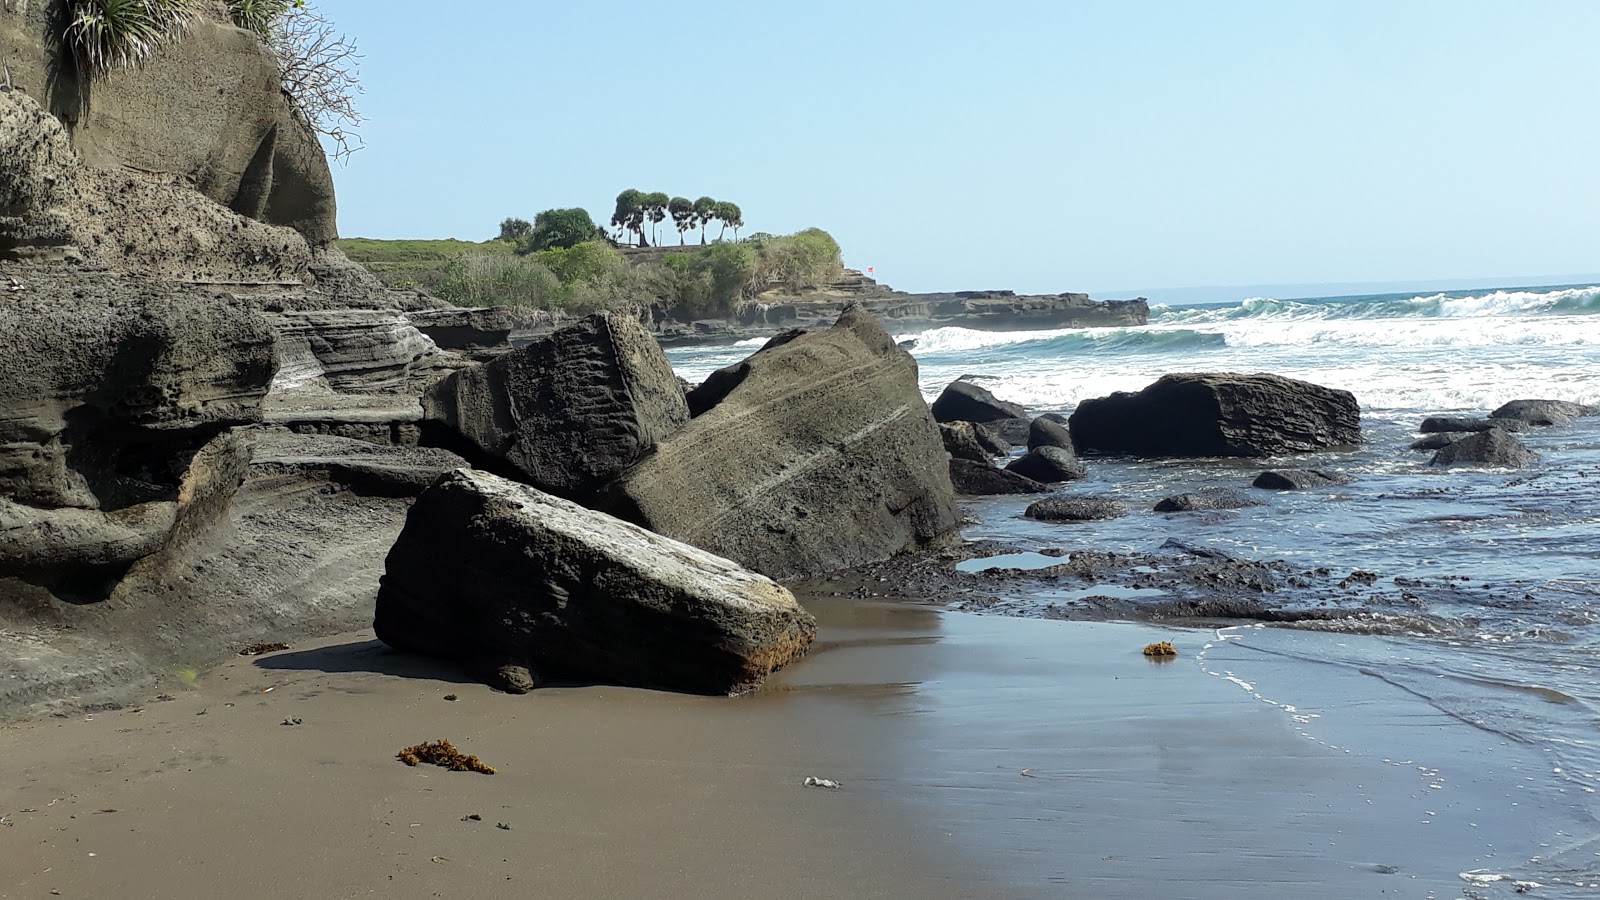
point(1447, 424)
point(1207, 499)
point(1439, 440)
point(991, 441)
point(963, 401)
point(1218, 414)
point(1047, 432)
point(1543, 413)
point(1297, 479)
point(488, 569)
point(1048, 464)
point(1492, 449)
point(980, 479)
point(961, 442)
point(569, 413)
point(1076, 509)
point(823, 455)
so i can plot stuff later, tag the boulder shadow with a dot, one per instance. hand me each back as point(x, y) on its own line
point(372, 656)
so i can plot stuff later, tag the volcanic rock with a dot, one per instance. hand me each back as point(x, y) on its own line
point(1076, 509)
point(1544, 412)
point(1491, 449)
point(1218, 415)
point(963, 401)
point(1048, 464)
point(1047, 432)
point(569, 413)
point(489, 568)
point(1297, 479)
point(1207, 499)
point(961, 442)
point(1444, 424)
point(980, 479)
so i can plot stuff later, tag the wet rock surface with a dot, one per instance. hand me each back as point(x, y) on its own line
point(1076, 509)
point(1049, 465)
point(964, 401)
point(1493, 448)
point(1207, 499)
point(1298, 479)
point(1544, 413)
point(982, 479)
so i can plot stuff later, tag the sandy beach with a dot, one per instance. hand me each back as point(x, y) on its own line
point(978, 756)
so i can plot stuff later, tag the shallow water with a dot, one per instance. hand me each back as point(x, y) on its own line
point(1486, 603)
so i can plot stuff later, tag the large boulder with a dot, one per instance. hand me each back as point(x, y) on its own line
point(1449, 424)
point(961, 442)
point(964, 401)
point(1218, 414)
point(981, 479)
point(1439, 439)
point(1494, 449)
point(1544, 412)
point(1047, 432)
point(569, 413)
point(1048, 464)
point(496, 573)
point(820, 454)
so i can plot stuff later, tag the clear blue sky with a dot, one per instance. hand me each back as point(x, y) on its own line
point(1040, 146)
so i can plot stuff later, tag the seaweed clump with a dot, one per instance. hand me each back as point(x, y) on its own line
point(1161, 650)
point(445, 754)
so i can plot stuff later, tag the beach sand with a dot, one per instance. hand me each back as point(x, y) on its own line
point(978, 756)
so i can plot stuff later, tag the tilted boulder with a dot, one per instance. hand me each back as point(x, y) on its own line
point(1048, 464)
point(1492, 449)
point(1218, 414)
point(989, 439)
point(568, 413)
point(1439, 439)
point(1544, 412)
point(494, 573)
point(981, 479)
point(820, 454)
point(964, 401)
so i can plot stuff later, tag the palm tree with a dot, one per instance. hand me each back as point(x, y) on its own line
point(655, 209)
point(682, 215)
point(729, 215)
point(629, 215)
point(705, 210)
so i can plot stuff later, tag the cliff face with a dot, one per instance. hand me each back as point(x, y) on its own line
point(207, 109)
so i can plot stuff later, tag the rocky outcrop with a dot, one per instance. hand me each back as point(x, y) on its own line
point(1048, 464)
point(1207, 499)
point(1439, 439)
point(1494, 449)
point(570, 413)
point(1047, 432)
point(981, 479)
point(1218, 415)
point(206, 110)
point(961, 442)
point(1543, 413)
point(820, 453)
point(495, 573)
point(1076, 509)
point(1297, 479)
point(1448, 424)
point(964, 401)
point(480, 334)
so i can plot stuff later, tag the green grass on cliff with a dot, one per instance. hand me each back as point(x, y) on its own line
point(407, 264)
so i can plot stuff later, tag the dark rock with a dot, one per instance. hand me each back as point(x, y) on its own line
point(1218, 415)
point(489, 568)
point(511, 678)
point(1208, 499)
point(1189, 549)
point(1492, 449)
point(1544, 412)
point(568, 413)
point(1297, 479)
point(1045, 432)
point(961, 442)
point(1014, 431)
point(964, 401)
point(982, 479)
point(363, 466)
point(1444, 424)
point(1076, 509)
point(1048, 464)
point(823, 455)
point(1439, 440)
point(990, 440)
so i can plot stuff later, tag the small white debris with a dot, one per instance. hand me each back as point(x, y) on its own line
point(814, 781)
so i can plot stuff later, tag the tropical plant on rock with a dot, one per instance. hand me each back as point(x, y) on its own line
point(102, 34)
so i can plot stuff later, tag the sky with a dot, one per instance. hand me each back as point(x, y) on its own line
point(1112, 147)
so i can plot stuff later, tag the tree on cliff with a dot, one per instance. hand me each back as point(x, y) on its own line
point(705, 209)
point(731, 217)
point(682, 215)
point(630, 213)
point(559, 229)
point(655, 207)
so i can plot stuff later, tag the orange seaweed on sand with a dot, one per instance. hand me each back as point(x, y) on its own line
point(1161, 649)
point(443, 753)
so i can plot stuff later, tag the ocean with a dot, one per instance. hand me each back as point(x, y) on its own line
point(1486, 600)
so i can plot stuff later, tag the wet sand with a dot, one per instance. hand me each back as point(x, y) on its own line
point(979, 756)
